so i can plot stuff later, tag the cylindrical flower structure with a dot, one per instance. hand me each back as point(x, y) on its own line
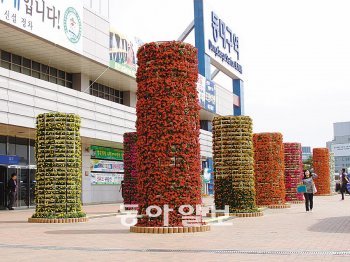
point(58, 159)
point(168, 149)
point(234, 164)
point(293, 171)
point(332, 172)
point(269, 169)
point(322, 169)
point(129, 190)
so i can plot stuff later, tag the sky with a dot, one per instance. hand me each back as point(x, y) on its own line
point(295, 56)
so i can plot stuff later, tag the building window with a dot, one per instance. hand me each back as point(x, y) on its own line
point(106, 92)
point(31, 68)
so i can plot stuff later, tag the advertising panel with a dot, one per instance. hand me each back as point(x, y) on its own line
point(201, 90)
point(106, 178)
point(122, 52)
point(210, 96)
point(63, 19)
point(107, 166)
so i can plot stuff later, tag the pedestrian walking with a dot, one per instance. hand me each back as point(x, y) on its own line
point(12, 188)
point(344, 182)
point(308, 181)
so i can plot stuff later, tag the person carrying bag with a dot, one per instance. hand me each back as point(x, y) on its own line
point(310, 189)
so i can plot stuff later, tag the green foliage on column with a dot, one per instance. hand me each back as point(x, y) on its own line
point(58, 158)
point(234, 164)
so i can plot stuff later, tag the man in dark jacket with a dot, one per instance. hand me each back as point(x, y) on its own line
point(12, 187)
point(344, 182)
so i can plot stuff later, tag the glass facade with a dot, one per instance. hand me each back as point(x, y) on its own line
point(106, 92)
point(24, 169)
point(31, 68)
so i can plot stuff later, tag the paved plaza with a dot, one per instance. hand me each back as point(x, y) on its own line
point(280, 235)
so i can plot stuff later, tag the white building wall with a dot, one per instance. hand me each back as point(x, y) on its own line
point(94, 194)
point(224, 101)
point(341, 129)
point(206, 141)
point(22, 98)
point(96, 37)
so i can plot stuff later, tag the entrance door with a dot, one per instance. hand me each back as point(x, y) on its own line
point(32, 183)
point(10, 171)
point(26, 185)
point(3, 180)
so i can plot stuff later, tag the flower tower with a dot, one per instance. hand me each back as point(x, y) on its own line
point(58, 176)
point(129, 190)
point(234, 165)
point(322, 169)
point(293, 171)
point(168, 149)
point(332, 172)
point(269, 170)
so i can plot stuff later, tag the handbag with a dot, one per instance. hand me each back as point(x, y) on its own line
point(301, 189)
point(314, 188)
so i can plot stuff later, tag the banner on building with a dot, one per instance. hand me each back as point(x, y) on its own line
point(341, 149)
point(63, 19)
point(106, 178)
point(98, 165)
point(210, 96)
point(123, 51)
point(201, 90)
point(106, 153)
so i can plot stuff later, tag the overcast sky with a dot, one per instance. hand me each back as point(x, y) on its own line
point(295, 56)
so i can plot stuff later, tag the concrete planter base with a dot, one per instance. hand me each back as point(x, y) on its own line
point(253, 214)
point(169, 230)
point(58, 220)
point(279, 206)
point(296, 202)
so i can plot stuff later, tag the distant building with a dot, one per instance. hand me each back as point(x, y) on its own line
point(340, 145)
point(306, 152)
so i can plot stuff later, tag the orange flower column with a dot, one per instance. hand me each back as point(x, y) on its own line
point(168, 149)
point(269, 169)
point(322, 169)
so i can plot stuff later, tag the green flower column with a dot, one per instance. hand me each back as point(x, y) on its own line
point(234, 164)
point(58, 158)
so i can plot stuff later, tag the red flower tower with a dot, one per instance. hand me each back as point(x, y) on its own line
point(129, 190)
point(322, 169)
point(293, 171)
point(168, 162)
point(269, 170)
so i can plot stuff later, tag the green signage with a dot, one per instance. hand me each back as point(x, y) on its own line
point(107, 153)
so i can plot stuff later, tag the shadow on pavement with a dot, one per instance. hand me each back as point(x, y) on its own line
point(88, 232)
point(332, 225)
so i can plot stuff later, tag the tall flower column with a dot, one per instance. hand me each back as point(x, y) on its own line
point(130, 173)
point(269, 170)
point(293, 171)
point(234, 164)
point(168, 162)
point(58, 176)
point(322, 169)
point(332, 172)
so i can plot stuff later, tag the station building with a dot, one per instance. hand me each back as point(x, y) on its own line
point(66, 56)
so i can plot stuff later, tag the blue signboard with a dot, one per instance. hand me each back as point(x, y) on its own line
point(9, 160)
point(210, 96)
